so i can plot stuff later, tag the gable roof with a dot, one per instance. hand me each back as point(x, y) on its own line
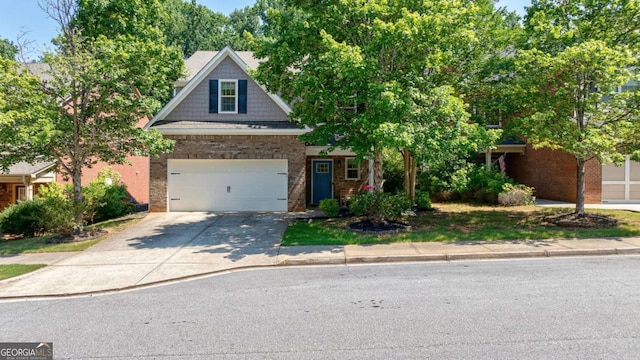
point(25, 169)
point(195, 65)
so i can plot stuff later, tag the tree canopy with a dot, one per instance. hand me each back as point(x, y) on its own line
point(375, 74)
point(577, 55)
point(99, 88)
point(8, 50)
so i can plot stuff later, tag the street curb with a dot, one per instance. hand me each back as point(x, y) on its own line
point(355, 260)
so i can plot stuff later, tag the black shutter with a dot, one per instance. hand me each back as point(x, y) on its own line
point(242, 96)
point(213, 96)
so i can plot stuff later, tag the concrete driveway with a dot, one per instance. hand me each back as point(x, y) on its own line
point(162, 246)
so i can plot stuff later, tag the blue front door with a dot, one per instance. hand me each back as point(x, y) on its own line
point(322, 180)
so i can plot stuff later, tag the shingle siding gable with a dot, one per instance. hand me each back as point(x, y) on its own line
point(259, 105)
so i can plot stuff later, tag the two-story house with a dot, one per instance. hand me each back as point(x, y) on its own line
point(236, 149)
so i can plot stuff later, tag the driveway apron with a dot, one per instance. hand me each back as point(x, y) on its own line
point(161, 247)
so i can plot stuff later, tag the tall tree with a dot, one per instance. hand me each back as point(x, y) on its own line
point(192, 27)
point(369, 75)
point(577, 54)
point(132, 29)
point(8, 50)
point(88, 109)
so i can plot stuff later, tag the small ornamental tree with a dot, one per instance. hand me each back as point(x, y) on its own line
point(577, 55)
point(88, 109)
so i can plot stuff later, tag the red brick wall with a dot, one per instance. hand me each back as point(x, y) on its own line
point(135, 177)
point(232, 147)
point(340, 183)
point(553, 174)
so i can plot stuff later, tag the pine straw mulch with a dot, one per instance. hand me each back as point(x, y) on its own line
point(573, 220)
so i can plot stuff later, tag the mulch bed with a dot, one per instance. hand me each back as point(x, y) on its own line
point(83, 236)
point(574, 220)
point(384, 228)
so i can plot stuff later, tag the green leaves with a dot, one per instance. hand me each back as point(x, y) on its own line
point(578, 54)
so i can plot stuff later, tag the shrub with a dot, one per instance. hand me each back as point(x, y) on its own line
point(58, 208)
point(105, 198)
point(423, 201)
point(26, 217)
point(378, 206)
point(515, 195)
point(330, 207)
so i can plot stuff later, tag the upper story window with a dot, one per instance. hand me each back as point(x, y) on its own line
point(352, 170)
point(489, 119)
point(630, 86)
point(227, 96)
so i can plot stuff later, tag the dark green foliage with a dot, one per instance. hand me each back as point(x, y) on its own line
point(330, 207)
point(8, 50)
point(26, 217)
point(468, 183)
point(423, 201)
point(104, 202)
point(378, 206)
point(393, 171)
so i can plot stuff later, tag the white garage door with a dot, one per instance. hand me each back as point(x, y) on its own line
point(227, 185)
point(621, 183)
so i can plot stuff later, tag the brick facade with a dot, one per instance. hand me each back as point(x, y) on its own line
point(553, 174)
point(232, 147)
point(340, 183)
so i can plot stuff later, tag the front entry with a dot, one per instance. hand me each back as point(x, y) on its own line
point(321, 180)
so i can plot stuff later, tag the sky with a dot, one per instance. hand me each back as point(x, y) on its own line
point(24, 16)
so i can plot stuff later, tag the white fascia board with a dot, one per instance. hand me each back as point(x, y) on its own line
point(201, 75)
point(169, 131)
point(315, 151)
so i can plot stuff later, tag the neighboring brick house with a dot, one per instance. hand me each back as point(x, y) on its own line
point(22, 180)
point(236, 149)
point(553, 173)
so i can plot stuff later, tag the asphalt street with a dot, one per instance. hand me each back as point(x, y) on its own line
point(547, 308)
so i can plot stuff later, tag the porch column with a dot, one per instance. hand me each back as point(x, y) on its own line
point(487, 159)
point(371, 177)
point(28, 187)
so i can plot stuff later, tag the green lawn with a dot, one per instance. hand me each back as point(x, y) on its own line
point(39, 244)
point(7, 271)
point(460, 222)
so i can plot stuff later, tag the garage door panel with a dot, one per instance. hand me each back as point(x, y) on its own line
point(228, 185)
point(621, 183)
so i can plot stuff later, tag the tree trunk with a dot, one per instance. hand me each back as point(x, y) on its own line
point(77, 199)
point(378, 172)
point(410, 173)
point(412, 179)
point(580, 189)
point(406, 156)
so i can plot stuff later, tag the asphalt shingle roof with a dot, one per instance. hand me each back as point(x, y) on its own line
point(23, 168)
point(171, 124)
point(199, 59)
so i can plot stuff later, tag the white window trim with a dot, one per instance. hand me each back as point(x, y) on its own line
point(220, 81)
point(346, 169)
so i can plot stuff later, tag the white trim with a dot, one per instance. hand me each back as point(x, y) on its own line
point(346, 169)
point(627, 182)
point(235, 83)
point(312, 171)
point(169, 131)
point(201, 76)
point(315, 151)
